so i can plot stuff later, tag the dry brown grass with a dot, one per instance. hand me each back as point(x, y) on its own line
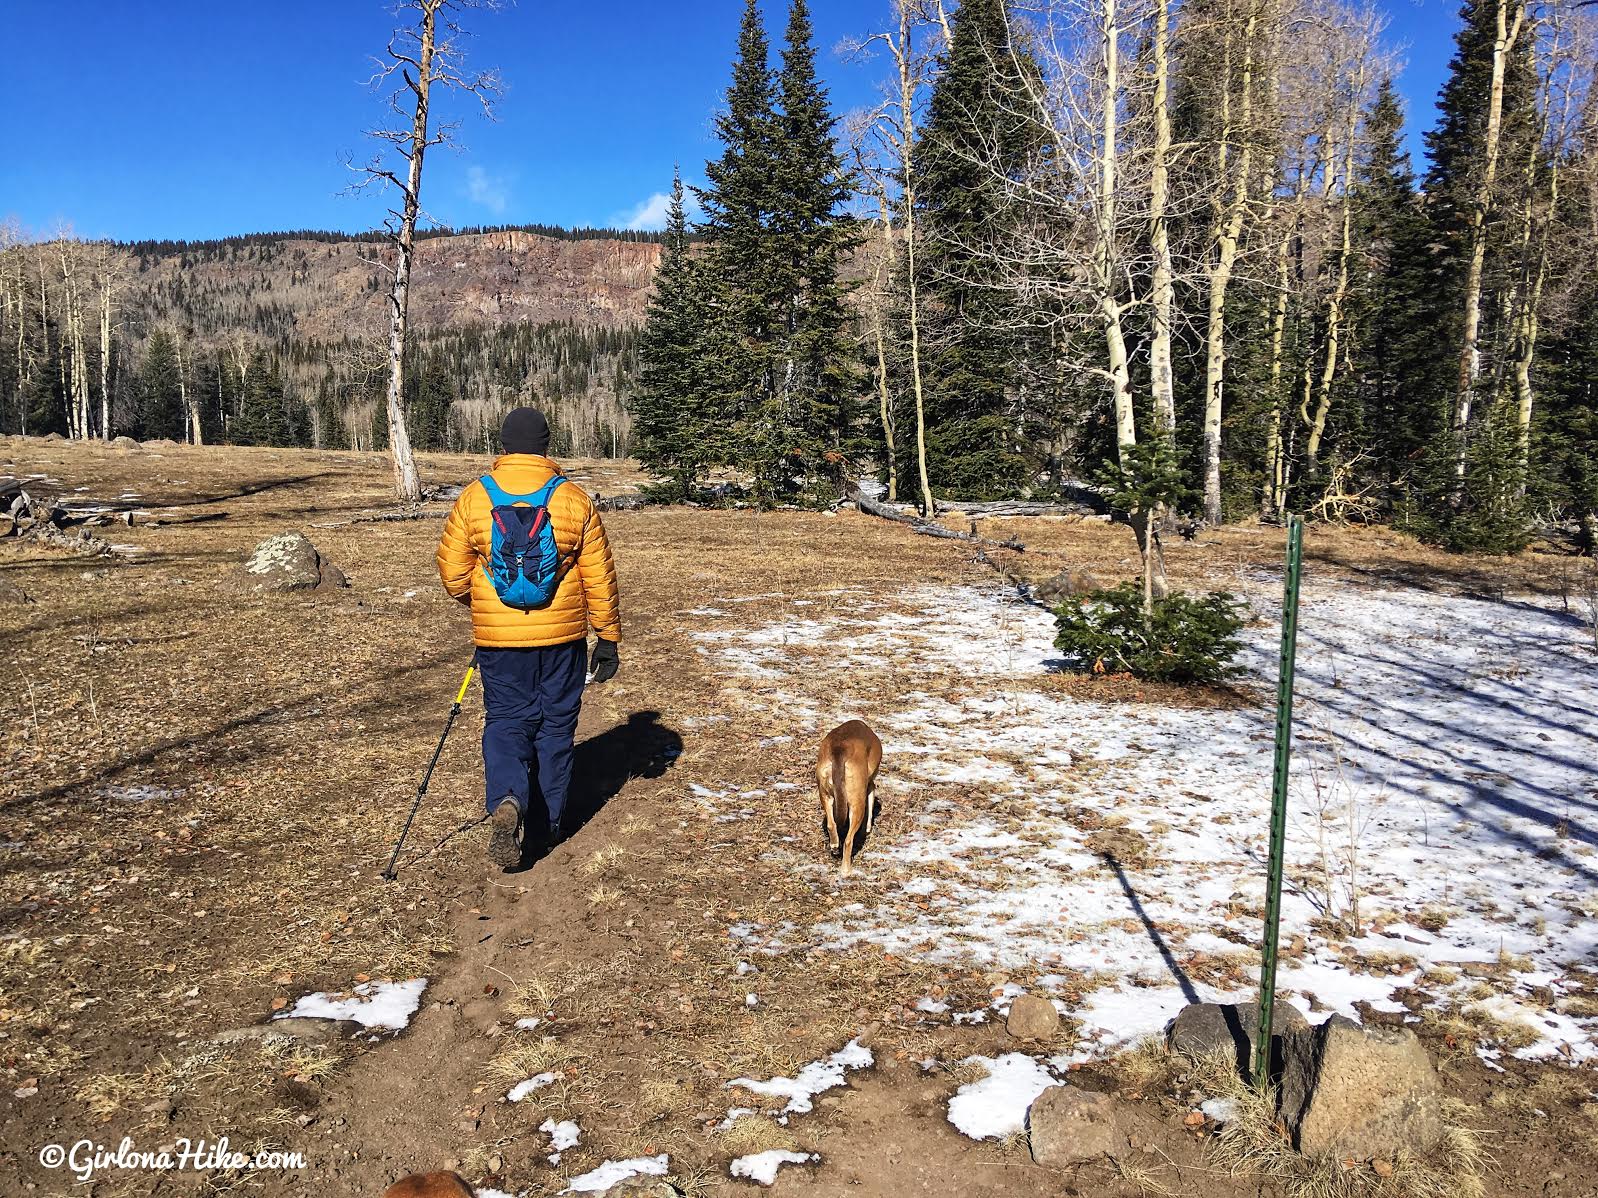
point(754, 1133)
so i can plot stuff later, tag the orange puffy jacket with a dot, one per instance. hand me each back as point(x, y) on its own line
point(586, 595)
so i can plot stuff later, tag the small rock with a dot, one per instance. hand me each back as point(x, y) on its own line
point(1066, 583)
point(645, 1187)
point(1032, 1018)
point(1349, 1089)
point(1382, 1168)
point(1203, 1027)
point(1070, 1126)
point(319, 1031)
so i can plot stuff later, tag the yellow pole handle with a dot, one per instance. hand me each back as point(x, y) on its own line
point(465, 682)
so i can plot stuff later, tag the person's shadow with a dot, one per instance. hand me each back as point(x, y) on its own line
point(640, 747)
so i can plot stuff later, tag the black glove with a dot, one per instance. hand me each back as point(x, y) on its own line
point(603, 665)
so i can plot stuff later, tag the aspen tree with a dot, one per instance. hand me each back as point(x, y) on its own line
point(1509, 17)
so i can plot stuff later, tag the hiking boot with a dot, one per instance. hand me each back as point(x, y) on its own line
point(504, 840)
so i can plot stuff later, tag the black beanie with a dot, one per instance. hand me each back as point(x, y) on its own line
point(525, 431)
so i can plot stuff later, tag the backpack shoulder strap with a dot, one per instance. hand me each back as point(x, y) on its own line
point(546, 492)
point(497, 495)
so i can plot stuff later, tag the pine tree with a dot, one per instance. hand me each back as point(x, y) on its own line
point(263, 415)
point(972, 383)
point(1401, 398)
point(160, 393)
point(808, 242)
point(739, 337)
point(674, 432)
point(1464, 512)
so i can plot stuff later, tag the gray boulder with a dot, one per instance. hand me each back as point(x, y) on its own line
point(1364, 1091)
point(289, 562)
point(1032, 1018)
point(1069, 1126)
point(1201, 1028)
point(126, 443)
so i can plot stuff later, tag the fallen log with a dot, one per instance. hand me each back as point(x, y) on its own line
point(930, 528)
point(1020, 507)
point(421, 513)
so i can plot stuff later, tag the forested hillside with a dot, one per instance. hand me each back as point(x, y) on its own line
point(1176, 246)
point(277, 339)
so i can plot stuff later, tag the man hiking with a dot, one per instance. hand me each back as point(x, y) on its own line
point(526, 549)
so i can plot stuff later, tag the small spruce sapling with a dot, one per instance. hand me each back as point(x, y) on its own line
point(1132, 629)
point(1143, 485)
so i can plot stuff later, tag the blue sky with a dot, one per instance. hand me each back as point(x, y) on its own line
point(201, 118)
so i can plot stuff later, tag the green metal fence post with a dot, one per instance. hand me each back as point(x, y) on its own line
point(1284, 745)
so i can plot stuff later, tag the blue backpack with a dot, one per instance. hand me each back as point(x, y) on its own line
point(524, 563)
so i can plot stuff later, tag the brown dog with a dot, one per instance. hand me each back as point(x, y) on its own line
point(429, 1185)
point(846, 776)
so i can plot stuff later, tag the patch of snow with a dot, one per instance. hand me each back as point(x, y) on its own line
point(1222, 1110)
point(1438, 727)
point(522, 1089)
point(815, 1078)
point(562, 1135)
point(612, 1173)
point(751, 1000)
point(529, 1023)
point(762, 1167)
point(931, 1006)
point(997, 1105)
point(383, 1006)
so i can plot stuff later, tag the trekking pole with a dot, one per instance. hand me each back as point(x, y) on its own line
point(421, 791)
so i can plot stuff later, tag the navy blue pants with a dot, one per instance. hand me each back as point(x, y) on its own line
point(532, 697)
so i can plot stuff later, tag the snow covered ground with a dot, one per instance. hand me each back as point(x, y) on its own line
point(1442, 844)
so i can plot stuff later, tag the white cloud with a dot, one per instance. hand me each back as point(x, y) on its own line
point(650, 215)
point(490, 191)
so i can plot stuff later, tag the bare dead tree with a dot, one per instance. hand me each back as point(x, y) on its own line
point(913, 49)
point(423, 55)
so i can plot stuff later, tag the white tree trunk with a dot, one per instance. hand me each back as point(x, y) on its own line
point(1227, 239)
point(1470, 350)
point(1162, 291)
